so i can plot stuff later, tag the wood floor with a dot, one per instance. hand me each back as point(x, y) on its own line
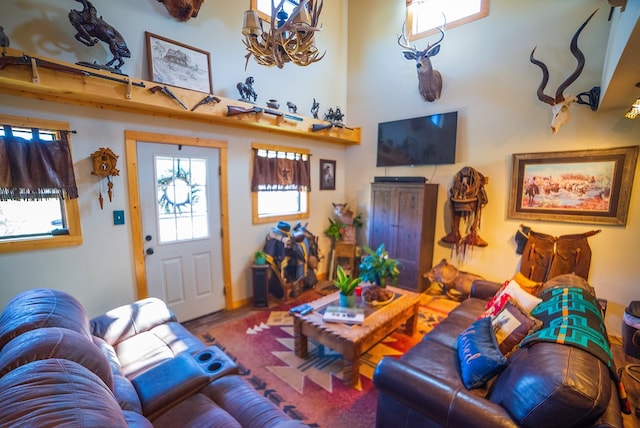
point(621, 359)
point(632, 387)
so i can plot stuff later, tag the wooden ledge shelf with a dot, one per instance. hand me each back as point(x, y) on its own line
point(96, 92)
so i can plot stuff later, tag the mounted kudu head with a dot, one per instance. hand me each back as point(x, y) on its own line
point(560, 104)
point(429, 80)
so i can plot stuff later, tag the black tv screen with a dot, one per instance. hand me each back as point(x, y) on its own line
point(427, 140)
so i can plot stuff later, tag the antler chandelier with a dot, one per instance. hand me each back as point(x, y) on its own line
point(289, 39)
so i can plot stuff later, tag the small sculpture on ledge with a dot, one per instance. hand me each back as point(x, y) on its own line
point(246, 90)
point(315, 107)
point(92, 29)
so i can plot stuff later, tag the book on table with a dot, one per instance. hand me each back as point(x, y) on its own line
point(335, 313)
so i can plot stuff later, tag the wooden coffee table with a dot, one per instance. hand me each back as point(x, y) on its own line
point(354, 340)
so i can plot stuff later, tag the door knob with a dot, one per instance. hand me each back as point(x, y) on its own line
point(149, 251)
point(147, 238)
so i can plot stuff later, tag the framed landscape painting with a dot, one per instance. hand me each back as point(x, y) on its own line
point(177, 64)
point(585, 186)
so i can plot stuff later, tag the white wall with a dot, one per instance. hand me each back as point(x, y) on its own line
point(100, 272)
point(488, 78)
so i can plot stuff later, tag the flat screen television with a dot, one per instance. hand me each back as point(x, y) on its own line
point(427, 140)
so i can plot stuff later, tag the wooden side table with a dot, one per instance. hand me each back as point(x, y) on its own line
point(344, 254)
point(260, 277)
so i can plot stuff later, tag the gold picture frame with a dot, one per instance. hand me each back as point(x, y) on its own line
point(584, 186)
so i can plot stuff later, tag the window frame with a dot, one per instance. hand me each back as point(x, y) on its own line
point(484, 12)
point(71, 207)
point(256, 219)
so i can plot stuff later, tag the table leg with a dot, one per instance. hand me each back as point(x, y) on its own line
point(412, 322)
point(300, 340)
point(351, 366)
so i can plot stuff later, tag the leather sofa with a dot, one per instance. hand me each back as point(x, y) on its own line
point(133, 366)
point(543, 385)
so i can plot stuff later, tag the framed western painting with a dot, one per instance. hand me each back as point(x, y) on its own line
point(177, 64)
point(327, 174)
point(585, 186)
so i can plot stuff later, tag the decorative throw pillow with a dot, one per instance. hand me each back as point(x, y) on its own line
point(528, 285)
point(511, 325)
point(479, 354)
point(513, 290)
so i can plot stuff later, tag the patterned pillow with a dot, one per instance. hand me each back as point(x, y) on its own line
point(479, 354)
point(513, 290)
point(511, 325)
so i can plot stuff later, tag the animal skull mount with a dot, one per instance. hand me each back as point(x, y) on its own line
point(561, 104)
point(429, 80)
point(183, 10)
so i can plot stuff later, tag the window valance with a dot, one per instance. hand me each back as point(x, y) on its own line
point(36, 168)
point(278, 171)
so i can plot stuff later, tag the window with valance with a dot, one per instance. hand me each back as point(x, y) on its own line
point(280, 183)
point(38, 191)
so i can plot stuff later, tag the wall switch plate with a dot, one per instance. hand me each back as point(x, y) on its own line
point(118, 217)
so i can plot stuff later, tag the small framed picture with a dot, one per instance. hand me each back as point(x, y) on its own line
point(327, 174)
point(177, 64)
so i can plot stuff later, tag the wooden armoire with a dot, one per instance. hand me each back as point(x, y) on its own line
point(403, 217)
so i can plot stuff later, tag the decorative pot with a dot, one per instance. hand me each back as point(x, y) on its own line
point(347, 301)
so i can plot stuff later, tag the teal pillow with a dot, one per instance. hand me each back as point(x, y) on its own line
point(479, 354)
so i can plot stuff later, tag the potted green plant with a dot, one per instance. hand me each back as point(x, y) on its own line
point(378, 269)
point(260, 258)
point(347, 285)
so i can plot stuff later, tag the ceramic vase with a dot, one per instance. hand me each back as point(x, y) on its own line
point(347, 301)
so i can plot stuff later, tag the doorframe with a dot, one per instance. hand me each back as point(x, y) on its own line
point(131, 139)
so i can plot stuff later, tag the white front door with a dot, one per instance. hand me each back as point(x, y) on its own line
point(180, 210)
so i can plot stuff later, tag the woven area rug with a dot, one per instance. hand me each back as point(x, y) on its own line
point(311, 389)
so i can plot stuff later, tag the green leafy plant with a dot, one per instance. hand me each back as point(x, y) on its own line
point(377, 267)
point(335, 229)
point(260, 257)
point(345, 283)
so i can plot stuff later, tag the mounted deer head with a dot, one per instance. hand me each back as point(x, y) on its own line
point(560, 104)
point(429, 80)
point(183, 10)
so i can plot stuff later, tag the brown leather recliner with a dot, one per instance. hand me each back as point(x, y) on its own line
point(134, 366)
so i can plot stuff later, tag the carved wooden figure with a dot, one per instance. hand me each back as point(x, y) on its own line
point(429, 80)
point(561, 104)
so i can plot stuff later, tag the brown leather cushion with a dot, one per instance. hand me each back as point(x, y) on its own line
point(39, 308)
point(55, 342)
point(127, 321)
point(549, 384)
point(169, 383)
point(56, 393)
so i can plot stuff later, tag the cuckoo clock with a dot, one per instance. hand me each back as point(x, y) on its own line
point(104, 166)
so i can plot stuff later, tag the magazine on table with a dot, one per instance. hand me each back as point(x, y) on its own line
point(335, 313)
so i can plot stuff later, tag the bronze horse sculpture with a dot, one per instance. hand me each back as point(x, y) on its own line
point(91, 29)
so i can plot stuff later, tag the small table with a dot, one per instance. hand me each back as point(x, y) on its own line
point(352, 341)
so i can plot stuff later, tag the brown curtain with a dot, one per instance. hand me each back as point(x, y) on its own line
point(35, 169)
point(277, 174)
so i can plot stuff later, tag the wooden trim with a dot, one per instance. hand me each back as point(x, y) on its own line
point(96, 92)
point(131, 140)
point(483, 12)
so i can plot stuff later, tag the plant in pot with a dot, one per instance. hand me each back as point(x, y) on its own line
point(347, 285)
point(377, 268)
point(260, 258)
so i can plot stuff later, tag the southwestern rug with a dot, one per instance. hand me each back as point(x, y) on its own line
point(311, 389)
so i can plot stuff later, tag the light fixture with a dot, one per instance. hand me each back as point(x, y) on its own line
point(634, 111)
point(288, 39)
